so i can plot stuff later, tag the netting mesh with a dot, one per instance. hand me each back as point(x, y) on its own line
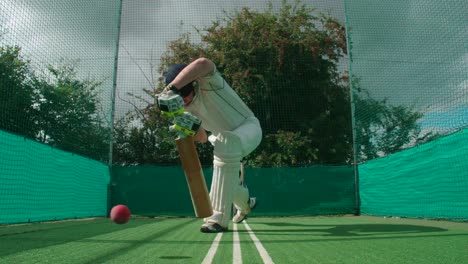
point(334, 84)
point(409, 80)
point(56, 84)
point(58, 63)
point(40, 183)
point(410, 59)
point(287, 61)
point(428, 181)
point(315, 190)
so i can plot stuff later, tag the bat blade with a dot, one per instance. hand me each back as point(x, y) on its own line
point(194, 175)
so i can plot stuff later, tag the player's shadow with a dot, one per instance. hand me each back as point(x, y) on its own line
point(347, 229)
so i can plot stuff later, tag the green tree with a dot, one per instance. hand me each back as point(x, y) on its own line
point(149, 141)
point(68, 113)
point(285, 66)
point(16, 93)
point(56, 108)
point(381, 128)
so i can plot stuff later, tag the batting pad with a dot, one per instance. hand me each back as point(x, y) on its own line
point(226, 165)
point(241, 198)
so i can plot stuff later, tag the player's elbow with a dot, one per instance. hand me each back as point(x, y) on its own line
point(206, 65)
point(203, 62)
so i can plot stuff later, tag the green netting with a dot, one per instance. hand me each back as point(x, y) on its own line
point(76, 75)
point(409, 77)
point(57, 68)
point(57, 65)
point(409, 68)
point(428, 181)
point(320, 190)
point(80, 76)
point(40, 183)
point(281, 57)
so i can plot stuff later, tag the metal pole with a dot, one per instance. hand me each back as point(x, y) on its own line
point(114, 83)
point(353, 123)
point(112, 117)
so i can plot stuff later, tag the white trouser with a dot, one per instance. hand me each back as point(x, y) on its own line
point(229, 148)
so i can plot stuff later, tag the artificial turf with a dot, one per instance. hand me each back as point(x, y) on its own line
point(338, 239)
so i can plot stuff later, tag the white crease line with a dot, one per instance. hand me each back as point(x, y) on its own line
point(236, 250)
point(214, 246)
point(263, 253)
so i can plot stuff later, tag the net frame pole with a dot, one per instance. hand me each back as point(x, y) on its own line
point(112, 117)
point(353, 123)
point(114, 84)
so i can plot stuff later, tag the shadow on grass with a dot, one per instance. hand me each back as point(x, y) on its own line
point(40, 235)
point(348, 230)
point(135, 244)
point(175, 257)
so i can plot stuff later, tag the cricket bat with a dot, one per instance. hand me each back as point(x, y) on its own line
point(194, 175)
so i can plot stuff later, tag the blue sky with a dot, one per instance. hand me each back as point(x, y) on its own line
point(456, 117)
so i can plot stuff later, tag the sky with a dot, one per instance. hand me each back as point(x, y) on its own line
point(147, 28)
point(53, 32)
point(411, 52)
point(414, 53)
point(49, 30)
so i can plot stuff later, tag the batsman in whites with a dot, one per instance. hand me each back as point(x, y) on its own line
point(227, 123)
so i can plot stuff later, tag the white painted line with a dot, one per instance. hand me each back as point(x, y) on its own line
point(263, 253)
point(236, 250)
point(214, 246)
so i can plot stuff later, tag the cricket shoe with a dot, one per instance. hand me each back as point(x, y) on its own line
point(212, 228)
point(240, 216)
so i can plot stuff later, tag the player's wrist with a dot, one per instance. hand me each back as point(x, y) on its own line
point(172, 88)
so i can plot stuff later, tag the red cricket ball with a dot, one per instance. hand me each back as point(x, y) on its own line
point(120, 214)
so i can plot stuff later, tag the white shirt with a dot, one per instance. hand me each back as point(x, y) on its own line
point(217, 105)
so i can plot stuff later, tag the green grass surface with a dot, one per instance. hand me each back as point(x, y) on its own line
point(364, 240)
